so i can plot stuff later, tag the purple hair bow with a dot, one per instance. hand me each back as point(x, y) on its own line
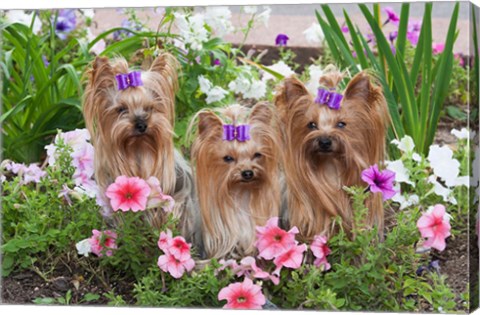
point(127, 80)
point(329, 98)
point(240, 133)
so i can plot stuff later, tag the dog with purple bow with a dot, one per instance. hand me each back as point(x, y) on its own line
point(130, 116)
point(236, 157)
point(329, 139)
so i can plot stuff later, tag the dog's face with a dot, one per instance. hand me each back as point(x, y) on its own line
point(135, 118)
point(240, 165)
point(320, 133)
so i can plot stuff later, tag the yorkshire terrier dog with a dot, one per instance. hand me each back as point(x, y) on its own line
point(130, 116)
point(237, 159)
point(328, 141)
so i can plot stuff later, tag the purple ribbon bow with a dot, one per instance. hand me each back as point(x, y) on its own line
point(133, 78)
point(240, 133)
point(329, 98)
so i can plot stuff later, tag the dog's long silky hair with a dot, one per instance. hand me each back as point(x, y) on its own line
point(231, 208)
point(111, 116)
point(315, 181)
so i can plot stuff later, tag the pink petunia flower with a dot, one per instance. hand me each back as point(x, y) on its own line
point(103, 242)
point(320, 250)
point(33, 173)
point(438, 48)
point(248, 267)
point(128, 193)
point(435, 226)
point(292, 258)
point(179, 248)
point(242, 295)
point(164, 240)
point(176, 267)
point(381, 182)
point(272, 241)
point(157, 197)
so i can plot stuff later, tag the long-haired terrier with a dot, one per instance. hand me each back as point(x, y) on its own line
point(130, 116)
point(328, 141)
point(236, 156)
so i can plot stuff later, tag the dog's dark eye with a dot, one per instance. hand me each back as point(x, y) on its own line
point(312, 125)
point(228, 159)
point(257, 155)
point(341, 124)
point(122, 110)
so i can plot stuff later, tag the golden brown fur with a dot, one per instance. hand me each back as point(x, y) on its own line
point(111, 116)
point(231, 207)
point(314, 177)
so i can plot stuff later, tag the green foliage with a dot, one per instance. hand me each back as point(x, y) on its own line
point(199, 289)
point(414, 112)
point(38, 221)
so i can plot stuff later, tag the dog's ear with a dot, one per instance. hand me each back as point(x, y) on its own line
point(209, 124)
point(360, 88)
point(262, 112)
point(287, 95)
point(102, 76)
point(167, 66)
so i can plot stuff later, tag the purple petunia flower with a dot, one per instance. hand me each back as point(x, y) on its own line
point(117, 35)
point(381, 182)
point(217, 62)
point(392, 36)
point(345, 29)
point(392, 16)
point(66, 22)
point(281, 40)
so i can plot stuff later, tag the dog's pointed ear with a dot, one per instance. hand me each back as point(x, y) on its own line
point(291, 90)
point(102, 76)
point(360, 88)
point(262, 112)
point(209, 123)
point(167, 66)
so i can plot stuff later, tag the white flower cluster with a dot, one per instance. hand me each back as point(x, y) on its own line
point(20, 16)
point(214, 93)
point(262, 17)
point(247, 85)
point(445, 168)
point(280, 67)
point(314, 34)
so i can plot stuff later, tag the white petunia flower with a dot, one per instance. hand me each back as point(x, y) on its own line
point(84, 247)
point(219, 18)
point(192, 29)
point(406, 144)
point(280, 67)
point(248, 87)
point(19, 16)
point(314, 34)
point(264, 17)
point(214, 93)
point(88, 13)
point(443, 164)
point(314, 72)
point(442, 191)
point(250, 9)
point(461, 134)
point(416, 157)
point(402, 174)
point(405, 202)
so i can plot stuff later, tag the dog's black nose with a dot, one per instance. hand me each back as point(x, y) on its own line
point(325, 143)
point(140, 125)
point(247, 175)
